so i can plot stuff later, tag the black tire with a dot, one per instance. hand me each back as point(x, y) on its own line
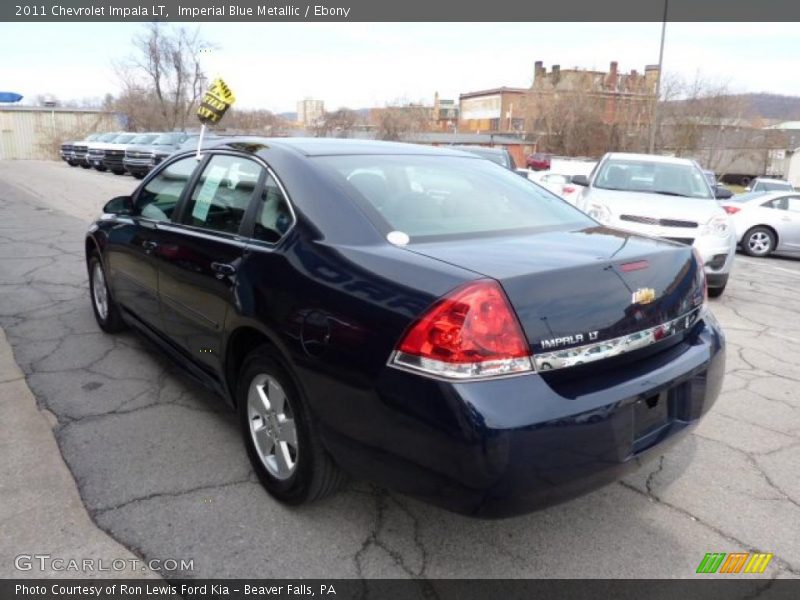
point(546, 366)
point(314, 474)
point(101, 169)
point(109, 319)
point(118, 172)
point(138, 175)
point(758, 241)
point(716, 292)
point(85, 166)
point(72, 163)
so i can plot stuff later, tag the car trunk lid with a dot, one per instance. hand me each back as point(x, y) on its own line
point(574, 288)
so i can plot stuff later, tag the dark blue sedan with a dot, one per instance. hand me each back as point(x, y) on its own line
point(414, 316)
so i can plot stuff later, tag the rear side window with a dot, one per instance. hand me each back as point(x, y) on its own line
point(158, 199)
point(273, 217)
point(433, 196)
point(222, 194)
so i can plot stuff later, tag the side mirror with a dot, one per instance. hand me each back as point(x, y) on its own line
point(722, 193)
point(121, 205)
point(579, 180)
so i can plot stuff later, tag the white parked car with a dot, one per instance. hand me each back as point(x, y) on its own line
point(666, 197)
point(559, 184)
point(766, 222)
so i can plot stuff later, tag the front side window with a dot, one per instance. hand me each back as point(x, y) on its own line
point(222, 194)
point(158, 199)
point(432, 196)
point(668, 179)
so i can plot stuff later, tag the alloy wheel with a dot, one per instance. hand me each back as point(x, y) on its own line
point(759, 242)
point(272, 426)
point(99, 291)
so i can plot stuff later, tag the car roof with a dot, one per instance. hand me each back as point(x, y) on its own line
point(342, 147)
point(760, 196)
point(674, 160)
point(770, 180)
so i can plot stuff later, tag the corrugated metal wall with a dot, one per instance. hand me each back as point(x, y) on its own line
point(37, 134)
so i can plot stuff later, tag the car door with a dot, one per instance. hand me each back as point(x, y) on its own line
point(200, 254)
point(789, 238)
point(131, 264)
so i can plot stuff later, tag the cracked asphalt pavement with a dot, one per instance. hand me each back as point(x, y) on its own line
point(160, 465)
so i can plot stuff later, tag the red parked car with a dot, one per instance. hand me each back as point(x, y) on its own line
point(538, 161)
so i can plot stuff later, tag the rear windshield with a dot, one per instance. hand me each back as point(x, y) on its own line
point(667, 179)
point(124, 138)
point(427, 197)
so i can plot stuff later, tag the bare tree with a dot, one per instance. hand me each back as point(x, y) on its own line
point(704, 120)
point(339, 123)
point(571, 119)
point(252, 121)
point(163, 79)
point(398, 120)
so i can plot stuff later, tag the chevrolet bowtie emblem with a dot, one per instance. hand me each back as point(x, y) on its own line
point(643, 296)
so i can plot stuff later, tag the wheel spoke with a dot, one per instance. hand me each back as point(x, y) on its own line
point(277, 398)
point(282, 459)
point(259, 400)
point(263, 442)
point(288, 433)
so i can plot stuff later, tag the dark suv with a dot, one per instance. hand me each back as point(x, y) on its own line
point(141, 158)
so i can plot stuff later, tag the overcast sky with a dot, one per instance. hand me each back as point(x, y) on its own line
point(271, 65)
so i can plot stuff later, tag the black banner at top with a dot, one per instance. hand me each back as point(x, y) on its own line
point(407, 10)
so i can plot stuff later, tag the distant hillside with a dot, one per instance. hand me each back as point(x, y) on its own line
point(769, 107)
point(773, 106)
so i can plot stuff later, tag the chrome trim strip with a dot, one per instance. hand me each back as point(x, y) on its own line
point(571, 357)
point(558, 359)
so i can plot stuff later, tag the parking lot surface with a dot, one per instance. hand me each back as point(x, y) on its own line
point(160, 465)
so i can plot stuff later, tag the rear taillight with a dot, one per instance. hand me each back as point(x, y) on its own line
point(470, 333)
point(701, 268)
point(567, 189)
point(731, 210)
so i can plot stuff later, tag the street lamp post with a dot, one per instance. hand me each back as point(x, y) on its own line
point(654, 113)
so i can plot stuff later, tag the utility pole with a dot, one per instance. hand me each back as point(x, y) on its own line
point(654, 112)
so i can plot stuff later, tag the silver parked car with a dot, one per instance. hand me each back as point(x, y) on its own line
point(765, 184)
point(665, 197)
point(766, 222)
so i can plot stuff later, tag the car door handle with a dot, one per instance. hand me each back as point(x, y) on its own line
point(222, 269)
point(149, 245)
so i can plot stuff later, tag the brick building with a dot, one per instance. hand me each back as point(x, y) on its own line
point(496, 110)
point(602, 106)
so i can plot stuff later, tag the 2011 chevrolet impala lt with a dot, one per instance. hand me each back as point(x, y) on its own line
point(418, 317)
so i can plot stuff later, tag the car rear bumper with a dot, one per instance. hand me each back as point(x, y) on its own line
point(512, 445)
